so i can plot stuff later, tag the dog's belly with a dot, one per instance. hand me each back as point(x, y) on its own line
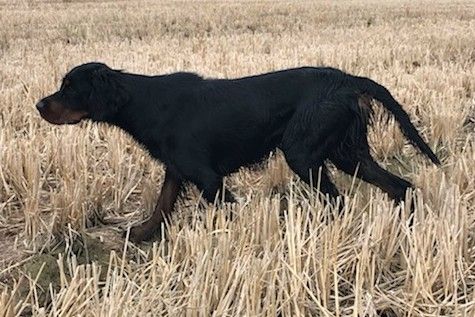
point(232, 156)
point(230, 164)
point(251, 146)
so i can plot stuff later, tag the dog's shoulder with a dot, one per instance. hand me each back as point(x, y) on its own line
point(185, 77)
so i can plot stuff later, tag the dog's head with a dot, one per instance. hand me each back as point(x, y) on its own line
point(89, 91)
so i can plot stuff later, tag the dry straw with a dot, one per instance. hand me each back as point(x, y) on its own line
point(66, 193)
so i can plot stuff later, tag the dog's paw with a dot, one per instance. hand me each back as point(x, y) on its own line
point(141, 232)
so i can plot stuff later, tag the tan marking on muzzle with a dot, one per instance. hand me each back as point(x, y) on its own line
point(57, 113)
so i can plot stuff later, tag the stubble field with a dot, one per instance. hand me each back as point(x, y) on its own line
point(67, 193)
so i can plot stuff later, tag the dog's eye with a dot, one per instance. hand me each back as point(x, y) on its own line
point(66, 84)
point(67, 87)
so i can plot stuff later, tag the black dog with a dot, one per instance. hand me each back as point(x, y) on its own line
point(204, 129)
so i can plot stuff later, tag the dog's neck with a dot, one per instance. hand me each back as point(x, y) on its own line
point(153, 96)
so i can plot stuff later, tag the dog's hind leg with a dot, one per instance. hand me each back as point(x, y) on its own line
point(310, 135)
point(311, 172)
point(353, 157)
point(363, 166)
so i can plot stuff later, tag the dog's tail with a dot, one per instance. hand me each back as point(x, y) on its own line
point(381, 94)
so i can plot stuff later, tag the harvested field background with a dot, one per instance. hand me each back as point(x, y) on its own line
point(67, 193)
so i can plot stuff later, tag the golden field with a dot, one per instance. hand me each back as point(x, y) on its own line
point(67, 193)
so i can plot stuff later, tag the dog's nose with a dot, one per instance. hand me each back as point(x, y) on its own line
point(41, 105)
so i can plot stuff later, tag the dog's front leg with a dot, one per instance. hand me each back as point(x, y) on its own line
point(212, 191)
point(170, 189)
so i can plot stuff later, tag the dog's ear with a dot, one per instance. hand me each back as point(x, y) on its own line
point(107, 94)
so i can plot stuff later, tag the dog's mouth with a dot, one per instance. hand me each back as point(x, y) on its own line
point(63, 119)
point(70, 122)
point(60, 115)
